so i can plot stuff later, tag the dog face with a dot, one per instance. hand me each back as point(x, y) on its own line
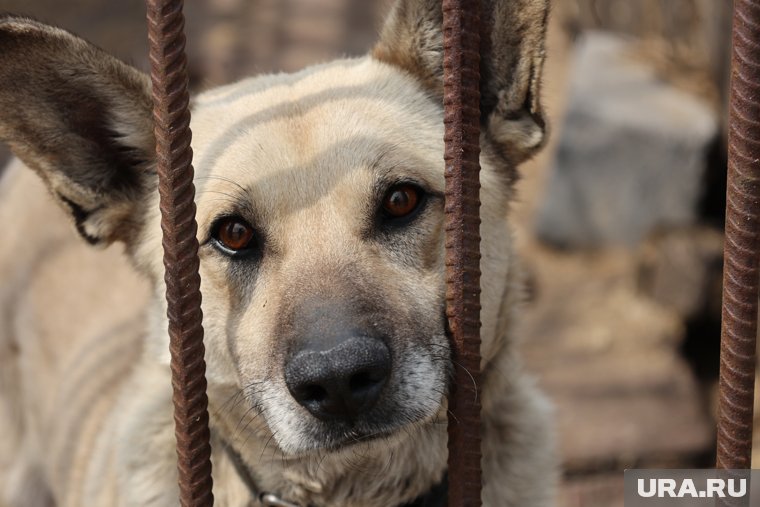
point(332, 309)
point(320, 209)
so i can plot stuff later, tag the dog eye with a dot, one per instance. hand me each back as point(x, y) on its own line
point(233, 234)
point(401, 200)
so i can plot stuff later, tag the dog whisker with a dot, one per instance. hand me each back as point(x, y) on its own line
point(221, 178)
point(221, 408)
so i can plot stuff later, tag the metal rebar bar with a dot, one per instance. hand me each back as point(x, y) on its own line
point(742, 244)
point(462, 166)
point(177, 192)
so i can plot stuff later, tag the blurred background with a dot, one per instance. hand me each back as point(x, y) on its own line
point(619, 220)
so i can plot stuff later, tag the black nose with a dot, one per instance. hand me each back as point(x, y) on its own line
point(341, 382)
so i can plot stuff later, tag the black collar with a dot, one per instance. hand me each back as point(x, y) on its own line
point(436, 497)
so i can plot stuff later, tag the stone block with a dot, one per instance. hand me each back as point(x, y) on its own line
point(608, 356)
point(632, 154)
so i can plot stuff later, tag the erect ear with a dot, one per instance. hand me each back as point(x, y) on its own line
point(511, 64)
point(82, 120)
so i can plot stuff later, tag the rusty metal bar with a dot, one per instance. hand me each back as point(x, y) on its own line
point(742, 244)
point(461, 90)
point(175, 185)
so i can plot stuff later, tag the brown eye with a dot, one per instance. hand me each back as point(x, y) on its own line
point(401, 200)
point(234, 234)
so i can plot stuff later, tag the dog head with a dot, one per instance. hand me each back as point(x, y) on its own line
point(320, 208)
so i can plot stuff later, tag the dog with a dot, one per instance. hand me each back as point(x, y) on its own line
point(320, 220)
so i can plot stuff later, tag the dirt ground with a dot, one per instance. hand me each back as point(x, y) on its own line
point(608, 339)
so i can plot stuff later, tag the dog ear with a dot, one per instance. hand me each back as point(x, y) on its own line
point(511, 64)
point(82, 120)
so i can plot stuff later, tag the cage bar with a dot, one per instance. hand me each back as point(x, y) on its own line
point(171, 117)
point(461, 98)
point(742, 244)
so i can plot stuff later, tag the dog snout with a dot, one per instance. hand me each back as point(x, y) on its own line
point(342, 382)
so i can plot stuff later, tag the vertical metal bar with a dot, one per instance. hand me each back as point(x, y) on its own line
point(742, 246)
point(175, 185)
point(461, 43)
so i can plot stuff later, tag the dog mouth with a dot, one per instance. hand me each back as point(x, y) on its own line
point(347, 439)
point(339, 437)
point(337, 441)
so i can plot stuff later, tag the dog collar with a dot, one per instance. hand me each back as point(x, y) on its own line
point(436, 497)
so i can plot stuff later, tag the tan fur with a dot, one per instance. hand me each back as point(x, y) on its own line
point(84, 364)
